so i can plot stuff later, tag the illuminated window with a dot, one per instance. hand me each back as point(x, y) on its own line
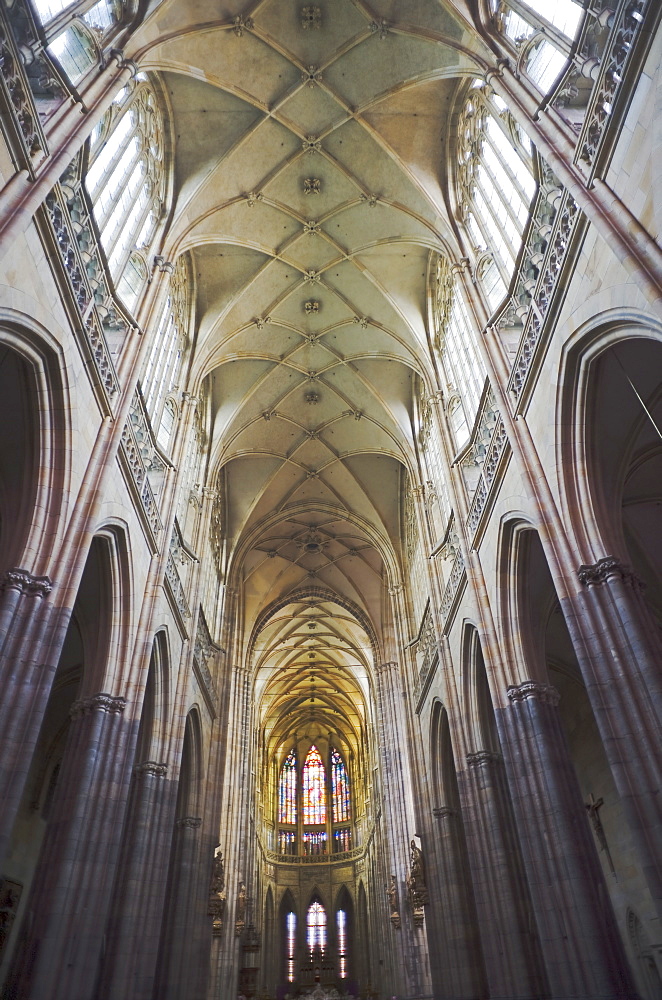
point(316, 926)
point(314, 842)
point(339, 788)
point(291, 932)
point(287, 842)
point(342, 840)
point(341, 924)
point(545, 30)
point(287, 790)
point(314, 792)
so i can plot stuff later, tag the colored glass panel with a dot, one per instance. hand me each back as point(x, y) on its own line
point(339, 788)
point(314, 793)
point(341, 923)
point(287, 790)
point(291, 928)
point(287, 841)
point(316, 926)
point(314, 842)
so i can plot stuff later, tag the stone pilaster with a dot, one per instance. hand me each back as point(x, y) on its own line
point(511, 951)
point(622, 652)
point(453, 913)
point(134, 929)
point(581, 945)
point(31, 637)
point(74, 878)
point(176, 962)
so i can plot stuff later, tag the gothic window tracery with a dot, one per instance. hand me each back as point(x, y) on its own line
point(314, 788)
point(78, 32)
point(496, 185)
point(316, 927)
point(542, 33)
point(126, 183)
point(287, 791)
point(339, 788)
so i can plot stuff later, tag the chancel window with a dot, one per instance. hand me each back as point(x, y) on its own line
point(314, 789)
point(342, 840)
point(314, 842)
point(291, 933)
point(287, 792)
point(316, 927)
point(339, 788)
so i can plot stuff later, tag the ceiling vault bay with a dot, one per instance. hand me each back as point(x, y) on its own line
point(310, 192)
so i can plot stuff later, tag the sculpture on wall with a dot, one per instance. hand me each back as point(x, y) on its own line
point(394, 906)
point(240, 918)
point(217, 897)
point(416, 886)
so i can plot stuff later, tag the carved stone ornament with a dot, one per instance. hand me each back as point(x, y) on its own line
point(242, 24)
point(312, 398)
point(217, 895)
point(606, 569)
point(311, 144)
point(26, 583)
point(379, 28)
point(189, 822)
point(151, 767)
point(310, 307)
point(545, 693)
point(312, 185)
point(416, 885)
point(240, 917)
point(311, 17)
point(394, 905)
point(483, 757)
point(311, 75)
point(97, 703)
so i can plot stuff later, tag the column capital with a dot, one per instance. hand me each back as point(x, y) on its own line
point(482, 757)
point(97, 703)
point(189, 822)
point(546, 693)
point(26, 583)
point(605, 569)
point(151, 767)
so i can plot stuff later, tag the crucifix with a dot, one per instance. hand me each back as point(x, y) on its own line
point(593, 806)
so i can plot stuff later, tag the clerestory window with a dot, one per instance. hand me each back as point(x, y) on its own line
point(78, 32)
point(542, 32)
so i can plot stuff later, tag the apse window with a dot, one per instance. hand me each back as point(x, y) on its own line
point(291, 931)
point(316, 927)
point(341, 927)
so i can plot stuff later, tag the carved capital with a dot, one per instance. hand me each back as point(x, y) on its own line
point(164, 265)
point(443, 812)
point(532, 689)
point(25, 583)
point(607, 569)
point(151, 767)
point(483, 757)
point(97, 703)
point(189, 822)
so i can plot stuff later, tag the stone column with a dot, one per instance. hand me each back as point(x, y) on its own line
point(620, 648)
point(31, 635)
point(511, 951)
point(460, 970)
point(134, 929)
point(581, 944)
point(175, 962)
point(70, 898)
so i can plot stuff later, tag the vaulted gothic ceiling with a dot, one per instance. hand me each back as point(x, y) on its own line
point(309, 141)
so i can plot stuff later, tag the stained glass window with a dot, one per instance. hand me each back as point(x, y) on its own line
point(291, 928)
point(341, 922)
point(314, 842)
point(287, 790)
point(342, 840)
point(314, 794)
point(316, 925)
point(287, 842)
point(339, 788)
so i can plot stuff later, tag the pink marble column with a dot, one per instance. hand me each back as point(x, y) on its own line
point(32, 632)
point(511, 951)
point(582, 949)
point(69, 901)
point(134, 928)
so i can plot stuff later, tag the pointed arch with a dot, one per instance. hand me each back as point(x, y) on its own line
point(313, 788)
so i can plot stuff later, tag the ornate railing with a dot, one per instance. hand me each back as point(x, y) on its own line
point(452, 586)
point(566, 224)
point(315, 859)
point(90, 324)
point(427, 652)
point(176, 588)
point(29, 142)
point(204, 649)
point(138, 472)
point(621, 53)
point(493, 456)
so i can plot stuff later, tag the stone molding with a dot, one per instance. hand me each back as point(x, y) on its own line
point(97, 703)
point(443, 812)
point(25, 583)
point(151, 767)
point(482, 757)
point(189, 822)
point(545, 693)
point(608, 568)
